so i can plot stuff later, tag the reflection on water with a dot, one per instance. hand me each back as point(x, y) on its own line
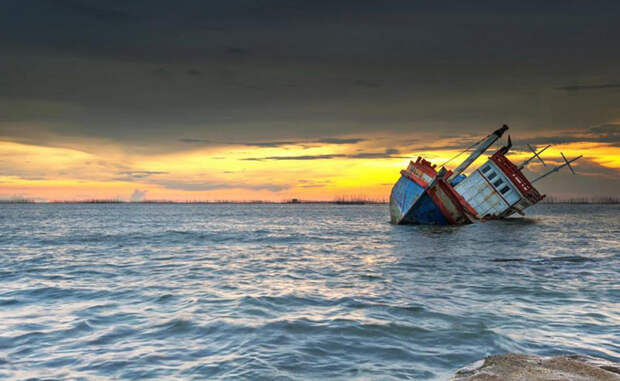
point(297, 291)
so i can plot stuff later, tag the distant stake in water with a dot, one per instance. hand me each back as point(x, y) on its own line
point(496, 190)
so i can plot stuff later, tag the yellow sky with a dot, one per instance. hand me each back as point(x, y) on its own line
point(235, 172)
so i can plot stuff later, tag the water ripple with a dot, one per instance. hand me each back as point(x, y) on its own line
point(287, 292)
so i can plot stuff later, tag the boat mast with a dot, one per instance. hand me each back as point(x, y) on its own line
point(492, 138)
point(536, 155)
point(555, 169)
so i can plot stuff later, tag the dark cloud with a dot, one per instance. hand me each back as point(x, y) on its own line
point(137, 175)
point(607, 130)
point(312, 186)
point(142, 174)
point(301, 157)
point(607, 133)
point(237, 51)
point(140, 73)
point(268, 144)
point(340, 141)
point(279, 143)
point(315, 183)
point(440, 147)
point(163, 73)
point(544, 140)
point(203, 186)
point(194, 141)
point(102, 12)
point(590, 87)
point(368, 84)
point(388, 153)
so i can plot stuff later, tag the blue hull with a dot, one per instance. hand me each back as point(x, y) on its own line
point(410, 204)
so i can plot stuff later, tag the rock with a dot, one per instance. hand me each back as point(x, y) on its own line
point(516, 367)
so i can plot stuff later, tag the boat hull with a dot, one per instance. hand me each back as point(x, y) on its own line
point(404, 194)
point(435, 204)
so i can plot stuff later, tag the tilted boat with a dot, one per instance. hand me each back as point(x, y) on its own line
point(497, 189)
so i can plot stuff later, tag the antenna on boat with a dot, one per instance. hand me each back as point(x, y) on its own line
point(557, 168)
point(535, 156)
point(504, 149)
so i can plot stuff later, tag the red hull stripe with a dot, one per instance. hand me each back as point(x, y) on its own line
point(425, 166)
point(516, 177)
point(457, 199)
point(417, 180)
point(452, 205)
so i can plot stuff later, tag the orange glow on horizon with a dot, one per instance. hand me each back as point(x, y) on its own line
point(235, 173)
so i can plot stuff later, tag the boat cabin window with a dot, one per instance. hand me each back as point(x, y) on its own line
point(505, 189)
point(498, 183)
point(492, 175)
point(486, 168)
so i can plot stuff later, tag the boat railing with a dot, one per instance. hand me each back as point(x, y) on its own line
point(516, 177)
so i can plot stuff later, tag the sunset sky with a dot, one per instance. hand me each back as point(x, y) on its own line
point(270, 100)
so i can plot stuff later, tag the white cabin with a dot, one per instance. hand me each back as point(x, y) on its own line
point(497, 189)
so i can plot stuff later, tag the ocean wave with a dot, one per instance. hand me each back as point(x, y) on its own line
point(202, 292)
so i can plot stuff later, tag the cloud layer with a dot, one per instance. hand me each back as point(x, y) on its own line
point(143, 77)
point(244, 97)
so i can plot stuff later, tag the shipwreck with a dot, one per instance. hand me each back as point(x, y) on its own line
point(497, 189)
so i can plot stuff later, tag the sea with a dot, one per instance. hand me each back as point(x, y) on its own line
point(297, 291)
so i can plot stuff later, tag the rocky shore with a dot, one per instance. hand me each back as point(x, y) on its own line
point(517, 367)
